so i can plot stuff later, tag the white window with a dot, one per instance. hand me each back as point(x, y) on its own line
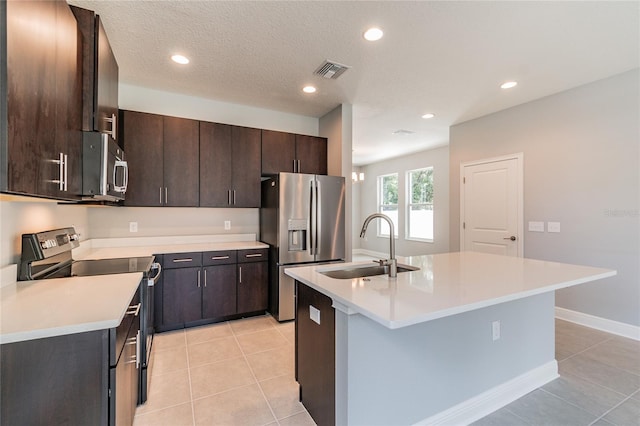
point(388, 203)
point(420, 204)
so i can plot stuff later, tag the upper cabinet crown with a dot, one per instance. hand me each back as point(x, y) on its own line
point(99, 75)
point(288, 152)
point(40, 100)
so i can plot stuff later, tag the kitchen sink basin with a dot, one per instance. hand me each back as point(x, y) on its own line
point(364, 271)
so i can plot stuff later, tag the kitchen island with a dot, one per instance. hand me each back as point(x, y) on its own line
point(449, 343)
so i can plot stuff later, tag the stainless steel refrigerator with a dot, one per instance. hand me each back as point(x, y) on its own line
point(302, 220)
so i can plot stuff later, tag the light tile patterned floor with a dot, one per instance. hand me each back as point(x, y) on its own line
point(241, 373)
point(232, 373)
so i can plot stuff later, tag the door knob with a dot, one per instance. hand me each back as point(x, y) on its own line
point(512, 238)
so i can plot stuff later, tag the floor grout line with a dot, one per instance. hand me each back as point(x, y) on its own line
point(193, 411)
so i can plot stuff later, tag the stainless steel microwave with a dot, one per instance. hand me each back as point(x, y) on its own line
point(104, 170)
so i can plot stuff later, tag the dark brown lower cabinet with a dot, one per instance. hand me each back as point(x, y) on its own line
point(201, 288)
point(315, 354)
point(88, 378)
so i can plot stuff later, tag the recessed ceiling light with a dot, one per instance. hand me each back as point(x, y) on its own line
point(183, 60)
point(309, 89)
point(508, 84)
point(429, 115)
point(373, 34)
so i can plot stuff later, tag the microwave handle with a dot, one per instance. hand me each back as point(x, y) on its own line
point(124, 165)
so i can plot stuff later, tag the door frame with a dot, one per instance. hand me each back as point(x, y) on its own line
point(519, 157)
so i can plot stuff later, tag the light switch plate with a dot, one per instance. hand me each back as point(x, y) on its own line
point(133, 226)
point(536, 226)
point(227, 225)
point(553, 226)
point(314, 314)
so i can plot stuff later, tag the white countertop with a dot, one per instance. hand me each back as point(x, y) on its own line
point(146, 246)
point(55, 307)
point(446, 284)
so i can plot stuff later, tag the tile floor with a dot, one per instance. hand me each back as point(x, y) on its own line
point(232, 373)
point(599, 384)
point(241, 373)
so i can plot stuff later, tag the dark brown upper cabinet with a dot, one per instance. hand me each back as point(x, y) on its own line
point(40, 100)
point(288, 152)
point(99, 75)
point(162, 153)
point(229, 166)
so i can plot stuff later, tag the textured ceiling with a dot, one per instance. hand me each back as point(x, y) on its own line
point(445, 57)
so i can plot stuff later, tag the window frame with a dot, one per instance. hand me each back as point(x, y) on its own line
point(409, 204)
point(380, 200)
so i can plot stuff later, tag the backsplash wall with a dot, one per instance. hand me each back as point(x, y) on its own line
point(167, 221)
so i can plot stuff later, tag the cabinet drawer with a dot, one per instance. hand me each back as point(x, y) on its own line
point(254, 255)
point(119, 334)
point(182, 260)
point(210, 258)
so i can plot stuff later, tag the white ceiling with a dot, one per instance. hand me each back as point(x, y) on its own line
point(445, 57)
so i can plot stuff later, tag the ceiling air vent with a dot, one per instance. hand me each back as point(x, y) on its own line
point(331, 70)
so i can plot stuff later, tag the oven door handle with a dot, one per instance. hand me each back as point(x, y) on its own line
point(152, 280)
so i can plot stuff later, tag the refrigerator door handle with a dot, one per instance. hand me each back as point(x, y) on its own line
point(318, 224)
point(312, 219)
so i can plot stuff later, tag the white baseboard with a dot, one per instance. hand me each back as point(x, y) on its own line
point(487, 402)
point(613, 327)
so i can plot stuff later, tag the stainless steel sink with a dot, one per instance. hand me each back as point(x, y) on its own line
point(364, 271)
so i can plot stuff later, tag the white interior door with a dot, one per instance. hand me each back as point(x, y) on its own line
point(491, 206)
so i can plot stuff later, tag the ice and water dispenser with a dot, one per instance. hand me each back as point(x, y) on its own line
point(297, 230)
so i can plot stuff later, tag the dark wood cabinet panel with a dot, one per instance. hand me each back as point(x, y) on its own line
point(215, 164)
point(182, 296)
point(315, 354)
point(278, 152)
point(287, 152)
point(142, 137)
point(252, 287)
point(42, 117)
point(181, 164)
point(311, 153)
point(99, 75)
point(219, 291)
point(56, 380)
point(246, 158)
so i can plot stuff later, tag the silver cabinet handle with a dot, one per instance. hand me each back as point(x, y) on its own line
point(198, 278)
point(240, 273)
point(160, 195)
point(205, 277)
point(229, 196)
point(219, 257)
point(166, 195)
point(186, 259)
point(138, 347)
point(134, 310)
point(253, 255)
point(66, 167)
point(112, 120)
point(61, 185)
point(234, 197)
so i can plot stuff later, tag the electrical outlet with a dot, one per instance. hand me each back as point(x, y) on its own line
point(133, 226)
point(495, 330)
point(227, 225)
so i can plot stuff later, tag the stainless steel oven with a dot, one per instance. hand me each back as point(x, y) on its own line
point(48, 254)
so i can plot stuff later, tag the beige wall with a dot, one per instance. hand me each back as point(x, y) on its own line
point(438, 158)
point(581, 168)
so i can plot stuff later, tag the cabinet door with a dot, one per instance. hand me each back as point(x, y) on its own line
point(40, 86)
point(219, 291)
point(278, 152)
point(246, 156)
point(215, 164)
point(181, 164)
point(181, 296)
point(106, 84)
point(68, 108)
point(141, 136)
point(311, 153)
point(252, 287)
point(315, 354)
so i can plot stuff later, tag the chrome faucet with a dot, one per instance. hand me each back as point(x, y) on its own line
point(391, 262)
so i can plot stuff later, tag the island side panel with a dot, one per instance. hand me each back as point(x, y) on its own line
point(407, 375)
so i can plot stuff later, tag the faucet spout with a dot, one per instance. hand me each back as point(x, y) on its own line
point(392, 263)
